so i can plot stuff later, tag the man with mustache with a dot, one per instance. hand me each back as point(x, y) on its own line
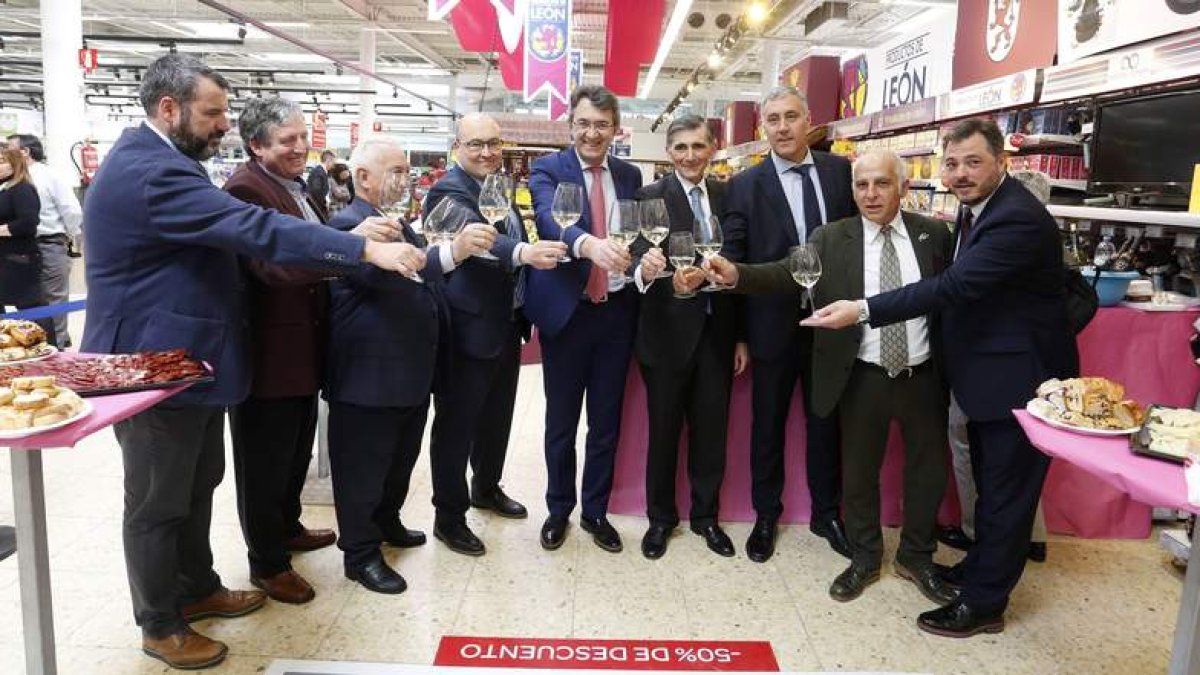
point(1002, 307)
point(163, 273)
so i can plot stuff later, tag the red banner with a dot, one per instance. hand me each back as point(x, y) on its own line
point(318, 130)
point(631, 44)
point(571, 654)
point(353, 134)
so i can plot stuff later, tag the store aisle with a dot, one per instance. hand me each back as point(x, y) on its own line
point(1095, 607)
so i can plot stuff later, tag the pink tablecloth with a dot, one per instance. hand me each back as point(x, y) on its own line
point(1147, 351)
point(1150, 481)
point(106, 411)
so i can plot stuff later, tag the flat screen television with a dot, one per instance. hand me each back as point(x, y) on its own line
point(1147, 148)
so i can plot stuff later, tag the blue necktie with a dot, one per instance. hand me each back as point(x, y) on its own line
point(812, 207)
point(695, 195)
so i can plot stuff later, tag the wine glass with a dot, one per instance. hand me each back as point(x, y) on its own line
point(495, 203)
point(682, 247)
point(567, 207)
point(655, 225)
point(709, 239)
point(805, 266)
point(623, 225)
point(394, 201)
point(444, 221)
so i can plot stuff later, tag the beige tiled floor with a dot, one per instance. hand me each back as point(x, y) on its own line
point(1095, 607)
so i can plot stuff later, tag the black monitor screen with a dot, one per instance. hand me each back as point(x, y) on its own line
point(1147, 144)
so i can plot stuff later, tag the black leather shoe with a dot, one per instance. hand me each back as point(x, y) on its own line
point(654, 543)
point(603, 533)
point(459, 538)
point(501, 504)
point(378, 577)
point(554, 533)
point(929, 583)
point(954, 537)
point(850, 584)
point(718, 542)
point(960, 620)
point(760, 545)
point(833, 531)
point(1037, 551)
point(952, 576)
point(400, 536)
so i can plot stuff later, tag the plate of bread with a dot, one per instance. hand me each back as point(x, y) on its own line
point(1088, 405)
point(22, 341)
point(31, 405)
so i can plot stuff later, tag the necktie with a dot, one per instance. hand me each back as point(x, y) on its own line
point(966, 218)
point(597, 284)
point(695, 195)
point(812, 207)
point(893, 339)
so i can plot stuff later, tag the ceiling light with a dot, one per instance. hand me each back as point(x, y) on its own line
point(678, 15)
point(714, 60)
point(756, 13)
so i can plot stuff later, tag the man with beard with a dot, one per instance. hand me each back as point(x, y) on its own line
point(163, 273)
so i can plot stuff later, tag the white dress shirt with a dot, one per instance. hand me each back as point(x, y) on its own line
point(61, 213)
point(793, 189)
point(916, 330)
point(615, 281)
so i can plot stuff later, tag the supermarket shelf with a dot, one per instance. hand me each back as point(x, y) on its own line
point(924, 183)
point(1139, 216)
point(916, 152)
point(1043, 141)
point(1065, 184)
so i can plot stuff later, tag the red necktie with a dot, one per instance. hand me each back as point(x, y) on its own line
point(597, 284)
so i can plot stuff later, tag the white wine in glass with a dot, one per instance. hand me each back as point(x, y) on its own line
point(567, 207)
point(682, 253)
point(655, 224)
point(494, 202)
point(805, 266)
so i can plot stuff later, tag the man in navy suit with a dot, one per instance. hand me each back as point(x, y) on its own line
point(163, 273)
point(1004, 325)
point(585, 317)
point(383, 351)
point(771, 208)
point(474, 401)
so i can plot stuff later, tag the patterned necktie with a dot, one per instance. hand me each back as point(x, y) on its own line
point(597, 284)
point(966, 219)
point(696, 194)
point(893, 339)
point(812, 207)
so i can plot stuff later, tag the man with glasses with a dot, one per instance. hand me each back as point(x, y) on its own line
point(474, 402)
point(584, 315)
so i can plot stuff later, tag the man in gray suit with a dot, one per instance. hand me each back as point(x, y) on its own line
point(873, 376)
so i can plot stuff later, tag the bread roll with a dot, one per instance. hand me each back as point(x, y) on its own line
point(6, 395)
point(30, 401)
point(47, 420)
point(32, 382)
point(15, 419)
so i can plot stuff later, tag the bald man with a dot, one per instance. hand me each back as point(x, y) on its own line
point(474, 400)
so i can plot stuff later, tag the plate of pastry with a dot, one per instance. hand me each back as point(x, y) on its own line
point(23, 341)
point(1087, 405)
point(32, 405)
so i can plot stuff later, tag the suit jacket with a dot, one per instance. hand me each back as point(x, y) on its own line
point(479, 292)
point(840, 245)
point(383, 330)
point(552, 295)
point(1002, 305)
point(288, 307)
point(163, 272)
point(759, 228)
point(669, 328)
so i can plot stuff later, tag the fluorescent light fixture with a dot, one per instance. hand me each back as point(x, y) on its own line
point(678, 16)
point(756, 13)
point(288, 57)
point(714, 60)
point(287, 24)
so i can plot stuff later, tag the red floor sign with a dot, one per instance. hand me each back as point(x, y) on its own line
point(497, 652)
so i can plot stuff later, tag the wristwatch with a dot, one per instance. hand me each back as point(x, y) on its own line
point(864, 314)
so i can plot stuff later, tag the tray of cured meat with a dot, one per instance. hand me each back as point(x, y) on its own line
point(102, 374)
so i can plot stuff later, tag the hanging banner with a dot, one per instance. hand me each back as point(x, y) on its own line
point(560, 108)
point(474, 23)
point(996, 38)
point(1088, 27)
point(318, 130)
point(547, 46)
point(353, 134)
point(912, 67)
point(853, 99)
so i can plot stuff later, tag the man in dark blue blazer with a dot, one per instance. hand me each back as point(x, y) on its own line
point(585, 317)
point(771, 208)
point(474, 401)
point(163, 273)
point(1004, 325)
point(383, 353)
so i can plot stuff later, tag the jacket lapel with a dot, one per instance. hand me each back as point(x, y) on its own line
point(829, 181)
point(922, 247)
point(573, 173)
point(852, 254)
point(772, 191)
point(679, 209)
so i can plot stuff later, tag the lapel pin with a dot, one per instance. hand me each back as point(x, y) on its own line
point(923, 236)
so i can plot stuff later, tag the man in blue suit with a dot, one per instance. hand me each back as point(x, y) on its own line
point(1004, 327)
point(474, 401)
point(769, 209)
point(383, 351)
point(585, 317)
point(163, 245)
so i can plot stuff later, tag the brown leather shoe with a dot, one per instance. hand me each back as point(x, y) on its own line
point(225, 603)
point(185, 650)
point(287, 586)
point(311, 540)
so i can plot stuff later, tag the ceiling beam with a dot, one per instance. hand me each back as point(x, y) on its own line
point(373, 15)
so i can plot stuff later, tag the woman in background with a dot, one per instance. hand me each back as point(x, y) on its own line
point(20, 259)
point(341, 192)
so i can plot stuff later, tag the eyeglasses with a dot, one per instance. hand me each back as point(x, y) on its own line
point(588, 125)
point(477, 146)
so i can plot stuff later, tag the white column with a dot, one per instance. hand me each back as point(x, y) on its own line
point(62, 36)
point(366, 102)
point(770, 66)
point(452, 94)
